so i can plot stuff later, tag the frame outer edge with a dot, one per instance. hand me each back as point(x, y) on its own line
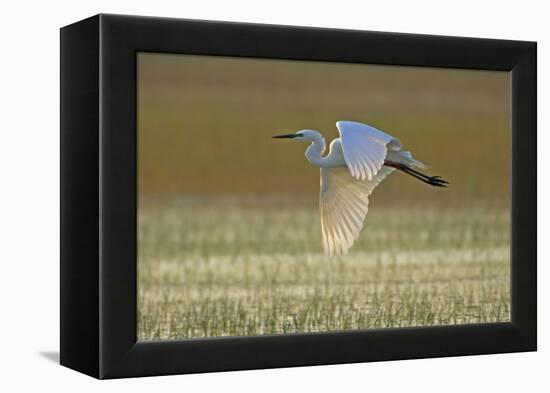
point(79, 275)
point(524, 197)
point(122, 37)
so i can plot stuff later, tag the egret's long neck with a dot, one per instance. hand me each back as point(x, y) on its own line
point(315, 150)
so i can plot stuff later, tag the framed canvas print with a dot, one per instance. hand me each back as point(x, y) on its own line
point(239, 196)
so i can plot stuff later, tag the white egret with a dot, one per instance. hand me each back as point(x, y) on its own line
point(356, 163)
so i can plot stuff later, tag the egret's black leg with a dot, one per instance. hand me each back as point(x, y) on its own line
point(427, 177)
point(435, 181)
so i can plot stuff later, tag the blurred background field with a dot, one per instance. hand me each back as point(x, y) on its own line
point(229, 233)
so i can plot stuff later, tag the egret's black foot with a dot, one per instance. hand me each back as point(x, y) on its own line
point(437, 181)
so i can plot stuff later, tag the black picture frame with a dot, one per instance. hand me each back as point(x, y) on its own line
point(98, 195)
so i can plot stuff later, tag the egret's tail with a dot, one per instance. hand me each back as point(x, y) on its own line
point(404, 158)
point(411, 161)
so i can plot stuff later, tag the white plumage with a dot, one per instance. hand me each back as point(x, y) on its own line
point(356, 163)
point(343, 206)
point(364, 148)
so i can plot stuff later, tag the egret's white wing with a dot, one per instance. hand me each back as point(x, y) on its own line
point(343, 205)
point(365, 148)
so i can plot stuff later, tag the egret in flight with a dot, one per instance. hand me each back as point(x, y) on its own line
point(356, 163)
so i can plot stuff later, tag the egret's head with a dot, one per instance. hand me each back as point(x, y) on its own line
point(302, 135)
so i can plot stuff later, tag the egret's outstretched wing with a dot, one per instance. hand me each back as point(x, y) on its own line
point(343, 205)
point(365, 148)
